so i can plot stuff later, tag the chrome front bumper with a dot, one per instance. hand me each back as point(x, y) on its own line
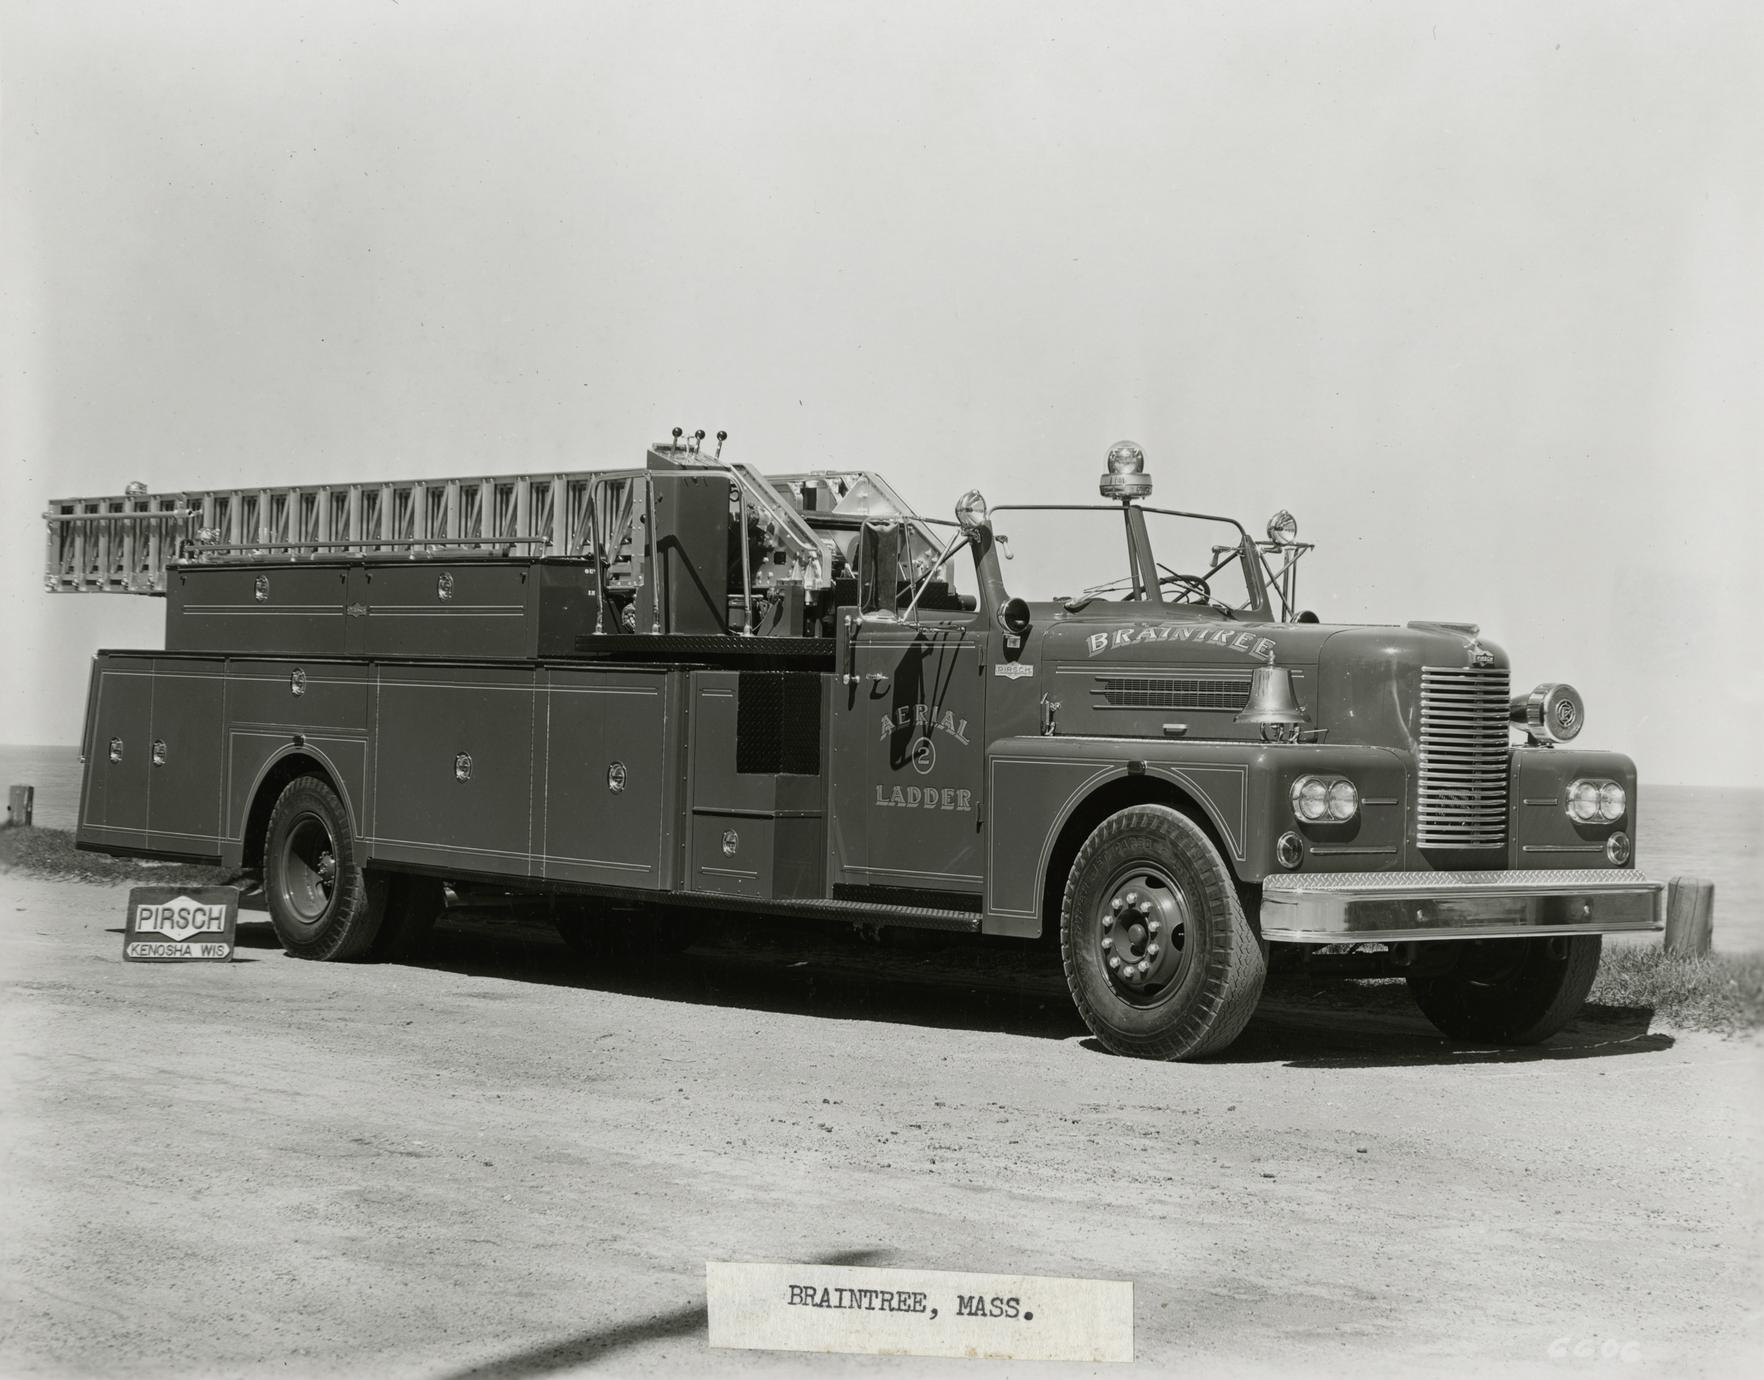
point(1397, 907)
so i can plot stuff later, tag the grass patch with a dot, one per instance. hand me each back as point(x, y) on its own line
point(1716, 991)
point(51, 853)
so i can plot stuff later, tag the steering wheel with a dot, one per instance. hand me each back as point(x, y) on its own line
point(1193, 587)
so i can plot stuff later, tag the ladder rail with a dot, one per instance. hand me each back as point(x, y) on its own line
point(124, 543)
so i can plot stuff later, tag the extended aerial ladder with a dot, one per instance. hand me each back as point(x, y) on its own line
point(123, 543)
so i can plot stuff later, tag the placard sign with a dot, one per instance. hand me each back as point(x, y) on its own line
point(173, 923)
point(887, 1312)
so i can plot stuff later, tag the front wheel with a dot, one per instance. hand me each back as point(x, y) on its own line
point(321, 900)
point(1510, 991)
point(1159, 955)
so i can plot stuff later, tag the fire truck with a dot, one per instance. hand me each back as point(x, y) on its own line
point(693, 689)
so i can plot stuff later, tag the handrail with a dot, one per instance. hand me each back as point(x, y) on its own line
point(200, 549)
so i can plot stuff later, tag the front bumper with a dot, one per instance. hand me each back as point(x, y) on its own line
point(1397, 907)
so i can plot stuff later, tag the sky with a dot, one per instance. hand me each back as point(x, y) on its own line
point(1477, 291)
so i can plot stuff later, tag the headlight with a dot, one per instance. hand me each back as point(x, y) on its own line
point(1583, 801)
point(1283, 528)
point(1319, 798)
point(1591, 801)
point(1310, 798)
point(1344, 800)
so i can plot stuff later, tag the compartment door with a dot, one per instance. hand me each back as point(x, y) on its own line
point(184, 782)
point(119, 747)
point(453, 767)
point(610, 796)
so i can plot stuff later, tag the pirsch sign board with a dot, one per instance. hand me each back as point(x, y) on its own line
point(181, 923)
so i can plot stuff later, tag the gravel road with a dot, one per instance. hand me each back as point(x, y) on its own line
point(500, 1164)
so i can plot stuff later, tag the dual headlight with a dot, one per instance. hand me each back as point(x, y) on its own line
point(1325, 799)
point(1589, 802)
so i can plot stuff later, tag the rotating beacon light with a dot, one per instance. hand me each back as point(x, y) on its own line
point(1126, 477)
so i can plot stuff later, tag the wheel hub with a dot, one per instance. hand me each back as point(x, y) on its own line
point(1142, 931)
point(309, 869)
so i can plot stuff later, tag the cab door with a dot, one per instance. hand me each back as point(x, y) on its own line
point(908, 759)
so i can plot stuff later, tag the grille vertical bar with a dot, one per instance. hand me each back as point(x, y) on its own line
point(1461, 794)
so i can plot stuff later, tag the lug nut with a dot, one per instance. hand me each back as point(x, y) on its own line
point(1108, 922)
point(1132, 898)
point(1144, 967)
point(1145, 907)
point(1114, 962)
point(1151, 950)
point(1108, 943)
point(1154, 925)
point(1115, 904)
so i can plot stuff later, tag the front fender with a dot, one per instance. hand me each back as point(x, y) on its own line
point(1036, 785)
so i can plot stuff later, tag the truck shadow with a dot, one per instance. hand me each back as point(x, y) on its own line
point(1376, 1025)
point(960, 982)
point(913, 978)
point(586, 1348)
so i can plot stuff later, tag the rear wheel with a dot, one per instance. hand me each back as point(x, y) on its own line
point(1159, 955)
point(1510, 991)
point(321, 900)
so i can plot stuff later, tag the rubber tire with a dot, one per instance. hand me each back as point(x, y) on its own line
point(413, 904)
point(350, 921)
point(1217, 994)
point(1510, 991)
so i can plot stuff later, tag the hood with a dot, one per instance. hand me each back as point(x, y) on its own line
point(1137, 672)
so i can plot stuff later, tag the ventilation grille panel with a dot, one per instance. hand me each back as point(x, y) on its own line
point(1218, 691)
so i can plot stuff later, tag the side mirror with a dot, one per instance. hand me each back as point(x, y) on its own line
point(881, 544)
point(1013, 616)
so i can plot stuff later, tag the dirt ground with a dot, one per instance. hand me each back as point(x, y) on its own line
point(498, 1163)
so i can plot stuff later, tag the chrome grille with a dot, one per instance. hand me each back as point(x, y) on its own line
point(1461, 793)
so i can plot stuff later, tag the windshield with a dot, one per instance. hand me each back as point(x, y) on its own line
point(1084, 555)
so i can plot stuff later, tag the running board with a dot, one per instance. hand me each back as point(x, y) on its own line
point(851, 912)
point(854, 912)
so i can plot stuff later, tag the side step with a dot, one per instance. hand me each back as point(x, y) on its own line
point(852, 912)
point(855, 912)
